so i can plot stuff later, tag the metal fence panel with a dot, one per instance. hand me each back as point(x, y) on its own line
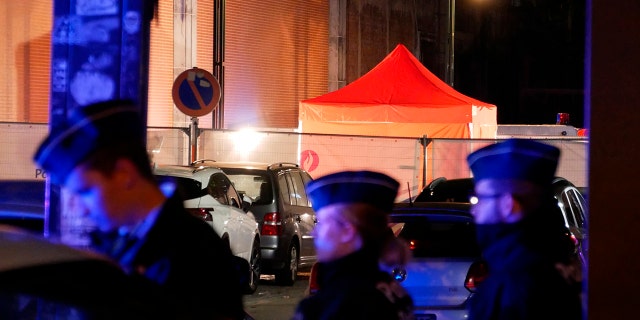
point(410, 161)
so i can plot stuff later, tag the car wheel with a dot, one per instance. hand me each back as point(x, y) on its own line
point(254, 263)
point(289, 274)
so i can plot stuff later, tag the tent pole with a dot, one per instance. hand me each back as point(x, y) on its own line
point(424, 142)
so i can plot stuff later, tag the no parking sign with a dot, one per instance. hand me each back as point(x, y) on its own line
point(196, 92)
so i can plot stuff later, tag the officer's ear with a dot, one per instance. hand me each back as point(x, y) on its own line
point(348, 231)
point(510, 208)
point(126, 173)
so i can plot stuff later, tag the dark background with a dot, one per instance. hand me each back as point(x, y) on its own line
point(525, 56)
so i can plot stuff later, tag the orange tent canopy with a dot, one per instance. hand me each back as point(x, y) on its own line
point(399, 98)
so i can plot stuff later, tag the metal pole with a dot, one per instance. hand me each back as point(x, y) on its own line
point(193, 139)
point(218, 58)
point(424, 142)
point(452, 31)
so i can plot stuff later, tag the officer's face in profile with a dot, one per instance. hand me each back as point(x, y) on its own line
point(100, 197)
point(487, 203)
point(333, 234)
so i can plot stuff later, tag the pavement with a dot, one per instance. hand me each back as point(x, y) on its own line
point(274, 302)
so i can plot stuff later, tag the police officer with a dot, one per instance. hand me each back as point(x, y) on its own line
point(352, 209)
point(99, 157)
point(521, 234)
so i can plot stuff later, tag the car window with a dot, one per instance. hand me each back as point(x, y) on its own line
point(254, 185)
point(299, 193)
point(306, 178)
point(284, 185)
point(437, 238)
point(217, 188)
point(187, 188)
point(232, 194)
point(576, 206)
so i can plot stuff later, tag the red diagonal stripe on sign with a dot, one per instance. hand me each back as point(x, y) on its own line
point(196, 93)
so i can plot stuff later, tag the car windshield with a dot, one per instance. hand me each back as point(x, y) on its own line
point(436, 238)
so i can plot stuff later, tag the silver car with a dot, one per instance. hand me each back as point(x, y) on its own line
point(446, 265)
point(209, 194)
point(571, 202)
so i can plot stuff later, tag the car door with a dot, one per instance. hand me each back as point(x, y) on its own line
point(574, 207)
point(239, 226)
point(247, 226)
point(303, 214)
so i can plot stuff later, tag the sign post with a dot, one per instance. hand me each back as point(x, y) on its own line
point(196, 93)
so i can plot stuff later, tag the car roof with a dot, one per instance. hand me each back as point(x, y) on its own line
point(456, 190)
point(444, 208)
point(459, 189)
point(241, 164)
point(182, 171)
point(251, 165)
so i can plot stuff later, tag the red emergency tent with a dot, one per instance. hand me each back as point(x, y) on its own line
point(398, 98)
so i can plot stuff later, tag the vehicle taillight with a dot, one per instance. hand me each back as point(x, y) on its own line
point(476, 274)
point(313, 280)
point(575, 240)
point(202, 213)
point(271, 224)
point(573, 243)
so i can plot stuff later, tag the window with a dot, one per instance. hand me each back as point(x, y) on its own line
point(218, 187)
point(577, 207)
point(284, 189)
point(232, 194)
point(436, 237)
point(298, 189)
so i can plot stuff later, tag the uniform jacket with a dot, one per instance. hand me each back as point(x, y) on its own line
point(523, 281)
point(188, 260)
point(353, 287)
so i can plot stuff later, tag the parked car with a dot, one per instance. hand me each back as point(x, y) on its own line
point(42, 279)
point(209, 194)
point(570, 200)
point(22, 204)
point(278, 199)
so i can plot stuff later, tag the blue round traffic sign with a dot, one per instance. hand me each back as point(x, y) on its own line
point(196, 92)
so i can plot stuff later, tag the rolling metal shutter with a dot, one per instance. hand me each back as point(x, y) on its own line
point(276, 54)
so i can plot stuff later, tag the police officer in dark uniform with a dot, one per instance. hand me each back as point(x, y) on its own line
point(99, 157)
point(352, 209)
point(521, 234)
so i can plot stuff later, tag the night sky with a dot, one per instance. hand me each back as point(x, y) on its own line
point(525, 56)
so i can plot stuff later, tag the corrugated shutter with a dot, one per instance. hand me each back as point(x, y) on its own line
point(204, 54)
point(160, 103)
point(26, 27)
point(275, 55)
point(162, 67)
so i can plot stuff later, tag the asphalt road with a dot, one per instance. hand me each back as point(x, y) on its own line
point(274, 302)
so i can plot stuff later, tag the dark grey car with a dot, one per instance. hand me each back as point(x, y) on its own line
point(22, 204)
point(278, 199)
point(570, 200)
